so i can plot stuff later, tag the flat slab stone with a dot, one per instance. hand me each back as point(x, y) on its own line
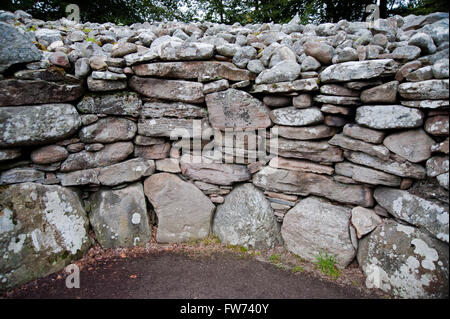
point(414, 145)
point(366, 175)
point(304, 184)
point(37, 124)
point(315, 226)
point(171, 90)
point(426, 104)
point(236, 109)
point(173, 109)
point(358, 145)
point(23, 92)
point(172, 127)
point(363, 133)
point(292, 116)
point(305, 133)
point(300, 165)
point(388, 116)
point(424, 90)
point(184, 212)
point(108, 130)
point(317, 151)
point(303, 85)
point(120, 103)
point(126, 172)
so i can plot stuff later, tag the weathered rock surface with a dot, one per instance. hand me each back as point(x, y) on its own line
point(424, 90)
point(388, 116)
point(384, 93)
point(122, 103)
point(236, 109)
point(173, 109)
point(108, 130)
point(300, 165)
point(49, 154)
point(431, 215)
point(172, 127)
point(404, 261)
point(119, 217)
point(184, 212)
point(293, 116)
point(21, 175)
point(126, 172)
point(364, 220)
point(304, 184)
point(363, 133)
point(315, 226)
point(38, 124)
point(318, 151)
point(414, 145)
point(305, 133)
point(246, 219)
point(366, 175)
point(42, 229)
point(303, 85)
point(345, 142)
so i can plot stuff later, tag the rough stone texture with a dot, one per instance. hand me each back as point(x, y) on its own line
point(119, 217)
point(21, 175)
point(15, 47)
point(49, 154)
point(305, 133)
point(363, 133)
point(246, 219)
point(205, 170)
point(121, 103)
point(171, 127)
point(172, 90)
point(316, 226)
point(414, 145)
point(105, 85)
point(304, 184)
point(384, 93)
point(318, 151)
point(184, 212)
point(364, 220)
point(437, 165)
point(284, 71)
point(366, 175)
point(388, 116)
point(303, 85)
point(300, 165)
point(345, 142)
point(42, 229)
point(236, 109)
point(126, 172)
point(431, 215)
point(404, 261)
point(23, 92)
point(152, 152)
point(320, 51)
point(293, 116)
point(32, 125)
point(437, 125)
point(424, 90)
point(108, 130)
point(10, 154)
point(353, 71)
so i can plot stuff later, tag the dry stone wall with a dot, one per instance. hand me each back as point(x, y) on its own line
point(328, 138)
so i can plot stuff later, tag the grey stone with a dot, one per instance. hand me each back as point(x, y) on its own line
point(306, 132)
point(172, 127)
point(345, 142)
point(293, 116)
point(105, 85)
point(440, 69)
point(364, 220)
point(316, 226)
point(82, 177)
point(174, 109)
point(108, 130)
point(320, 51)
point(317, 151)
point(407, 52)
point(284, 71)
point(184, 212)
point(424, 42)
point(414, 145)
point(303, 85)
point(424, 90)
point(388, 116)
point(246, 219)
point(10, 154)
point(384, 93)
point(21, 175)
point(437, 165)
point(366, 175)
point(244, 55)
point(119, 217)
point(120, 103)
point(126, 172)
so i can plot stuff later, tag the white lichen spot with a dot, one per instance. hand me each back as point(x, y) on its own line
point(6, 221)
point(430, 254)
point(16, 244)
point(136, 240)
point(408, 230)
point(136, 218)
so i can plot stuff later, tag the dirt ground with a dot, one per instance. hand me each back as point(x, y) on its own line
point(197, 270)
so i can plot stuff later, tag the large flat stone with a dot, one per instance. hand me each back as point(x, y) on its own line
point(39, 124)
point(172, 127)
point(292, 116)
point(388, 116)
point(173, 109)
point(305, 133)
point(317, 151)
point(126, 172)
point(424, 90)
point(366, 175)
point(343, 141)
point(120, 103)
point(414, 145)
point(303, 85)
point(108, 130)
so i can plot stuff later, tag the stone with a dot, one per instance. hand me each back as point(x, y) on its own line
point(303, 85)
point(426, 104)
point(21, 175)
point(216, 86)
point(15, 47)
point(184, 212)
point(345, 55)
point(302, 101)
point(202, 169)
point(440, 69)
point(236, 109)
point(277, 101)
point(107, 76)
point(108, 130)
point(82, 177)
point(443, 180)
point(364, 220)
point(126, 172)
point(437, 165)
point(37, 124)
point(23, 92)
point(193, 70)
point(388, 116)
point(338, 90)
point(358, 70)
point(407, 68)
point(82, 68)
point(152, 152)
point(384, 93)
point(49, 154)
point(244, 55)
point(110, 154)
point(339, 100)
point(246, 219)
point(173, 109)
point(304, 184)
point(119, 217)
point(75, 147)
point(284, 71)
point(407, 52)
point(10, 154)
point(122, 49)
point(293, 116)
point(316, 226)
point(177, 50)
point(59, 59)
point(169, 165)
point(146, 141)
point(105, 85)
point(120, 103)
point(310, 64)
point(424, 42)
point(414, 145)
point(47, 36)
point(415, 267)
point(405, 169)
point(424, 90)
point(255, 66)
point(415, 210)
point(305, 133)
point(300, 165)
point(359, 85)
point(366, 175)
point(333, 109)
point(437, 125)
point(43, 229)
point(422, 74)
point(320, 51)
point(345, 142)
point(442, 147)
point(317, 151)
point(172, 127)
point(172, 90)
point(280, 54)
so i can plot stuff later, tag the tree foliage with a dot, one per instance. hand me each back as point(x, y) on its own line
point(222, 11)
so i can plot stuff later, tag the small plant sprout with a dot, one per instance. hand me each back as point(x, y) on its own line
point(327, 265)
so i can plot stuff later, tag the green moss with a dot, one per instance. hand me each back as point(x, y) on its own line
point(32, 28)
point(86, 30)
point(298, 269)
point(275, 258)
point(327, 265)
